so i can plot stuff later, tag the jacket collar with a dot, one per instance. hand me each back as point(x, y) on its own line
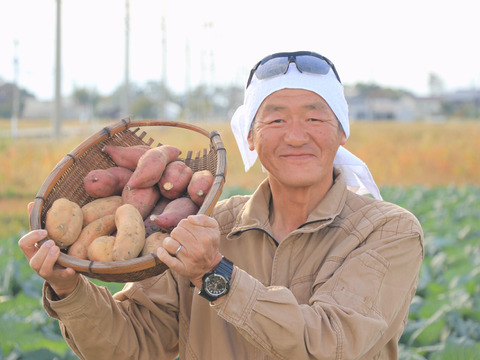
point(255, 212)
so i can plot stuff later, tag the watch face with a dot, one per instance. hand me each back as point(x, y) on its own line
point(216, 285)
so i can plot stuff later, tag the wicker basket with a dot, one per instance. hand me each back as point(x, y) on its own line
point(66, 180)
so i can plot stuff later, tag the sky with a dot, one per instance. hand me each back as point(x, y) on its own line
point(391, 43)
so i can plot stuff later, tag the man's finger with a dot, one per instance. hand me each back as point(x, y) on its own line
point(202, 220)
point(28, 241)
point(46, 268)
point(171, 261)
point(29, 208)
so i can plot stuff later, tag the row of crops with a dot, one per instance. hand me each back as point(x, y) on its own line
point(444, 316)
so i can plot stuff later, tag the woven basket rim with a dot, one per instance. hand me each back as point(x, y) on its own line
point(97, 269)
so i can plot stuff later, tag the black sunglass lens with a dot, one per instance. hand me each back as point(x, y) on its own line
point(271, 68)
point(311, 64)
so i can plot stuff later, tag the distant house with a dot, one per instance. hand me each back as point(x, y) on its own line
point(37, 109)
point(381, 108)
point(429, 108)
point(398, 107)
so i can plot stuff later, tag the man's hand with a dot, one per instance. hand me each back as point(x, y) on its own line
point(43, 261)
point(199, 237)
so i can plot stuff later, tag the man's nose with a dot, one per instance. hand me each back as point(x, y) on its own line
point(296, 133)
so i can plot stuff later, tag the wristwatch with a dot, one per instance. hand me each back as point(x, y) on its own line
point(217, 282)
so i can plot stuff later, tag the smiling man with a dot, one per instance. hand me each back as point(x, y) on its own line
point(296, 135)
point(306, 267)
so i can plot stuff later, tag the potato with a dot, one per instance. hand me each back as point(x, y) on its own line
point(101, 249)
point(130, 237)
point(200, 185)
point(175, 179)
point(143, 199)
point(63, 222)
point(106, 182)
point(126, 156)
point(153, 242)
point(99, 208)
point(151, 165)
point(175, 211)
point(150, 226)
point(100, 227)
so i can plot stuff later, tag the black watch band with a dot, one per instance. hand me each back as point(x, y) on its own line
point(217, 282)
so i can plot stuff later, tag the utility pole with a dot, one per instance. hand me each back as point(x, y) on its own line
point(57, 112)
point(163, 82)
point(16, 94)
point(187, 79)
point(126, 85)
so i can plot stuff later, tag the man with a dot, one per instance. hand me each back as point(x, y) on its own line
point(302, 269)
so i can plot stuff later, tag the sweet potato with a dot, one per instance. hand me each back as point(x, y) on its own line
point(126, 156)
point(99, 208)
point(143, 199)
point(100, 227)
point(130, 237)
point(63, 222)
point(175, 211)
point(150, 226)
point(199, 186)
point(106, 182)
point(153, 242)
point(101, 249)
point(175, 179)
point(151, 165)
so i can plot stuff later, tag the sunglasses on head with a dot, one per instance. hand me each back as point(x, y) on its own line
point(277, 64)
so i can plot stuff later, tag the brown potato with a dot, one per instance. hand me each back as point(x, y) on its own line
point(99, 208)
point(153, 242)
point(64, 221)
point(100, 227)
point(101, 249)
point(130, 237)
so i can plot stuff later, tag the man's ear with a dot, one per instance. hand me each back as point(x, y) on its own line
point(343, 138)
point(251, 145)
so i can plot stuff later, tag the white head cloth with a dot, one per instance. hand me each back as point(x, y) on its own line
point(356, 173)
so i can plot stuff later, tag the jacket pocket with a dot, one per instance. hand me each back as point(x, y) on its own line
point(358, 281)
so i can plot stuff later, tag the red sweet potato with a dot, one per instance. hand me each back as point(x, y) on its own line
point(175, 211)
point(150, 226)
point(175, 179)
point(126, 156)
point(200, 185)
point(106, 182)
point(151, 165)
point(143, 199)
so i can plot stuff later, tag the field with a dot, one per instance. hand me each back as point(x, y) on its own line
point(431, 169)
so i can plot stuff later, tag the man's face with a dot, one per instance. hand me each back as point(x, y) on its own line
point(296, 136)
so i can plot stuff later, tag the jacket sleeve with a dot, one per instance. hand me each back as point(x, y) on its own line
point(128, 325)
point(350, 315)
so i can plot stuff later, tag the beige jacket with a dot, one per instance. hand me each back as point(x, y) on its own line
point(339, 287)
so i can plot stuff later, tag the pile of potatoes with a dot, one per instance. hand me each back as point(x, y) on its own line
point(136, 204)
